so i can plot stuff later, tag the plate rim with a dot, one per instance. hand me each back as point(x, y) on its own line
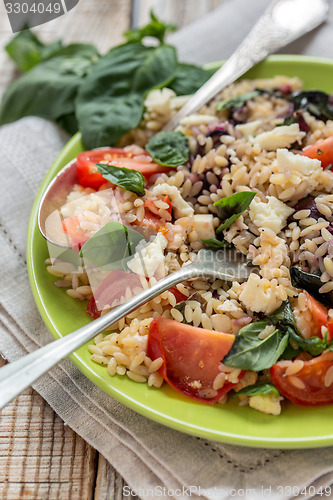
point(139, 407)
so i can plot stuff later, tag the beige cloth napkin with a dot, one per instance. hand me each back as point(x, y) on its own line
point(155, 461)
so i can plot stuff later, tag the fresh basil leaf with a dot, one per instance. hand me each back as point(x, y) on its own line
point(27, 50)
point(290, 352)
point(110, 100)
point(188, 79)
point(216, 244)
point(257, 389)
point(237, 102)
point(313, 345)
point(127, 178)
point(284, 319)
point(283, 316)
point(113, 243)
point(311, 283)
point(248, 352)
point(317, 103)
point(49, 89)
point(155, 28)
point(232, 207)
point(169, 148)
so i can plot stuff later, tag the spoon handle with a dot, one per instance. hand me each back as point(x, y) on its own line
point(17, 376)
point(282, 22)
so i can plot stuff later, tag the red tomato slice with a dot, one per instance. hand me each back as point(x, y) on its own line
point(322, 150)
point(77, 236)
point(320, 317)
point(112, 287)
point(150, 204)
point(307, 386)
point(319, 314)
point(89, 176)
point(191, 357)
point(150, 220)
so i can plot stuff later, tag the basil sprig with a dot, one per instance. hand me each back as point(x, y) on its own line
point(249, 352)
point(129, 179)
point(257, 389)
point(155, 28)
point(284, 318)
point(50, 87)
point(111, 245)
point(169, 148)
point(231, 207)
point(237, 102)
point(103, 96)
point(27, 50)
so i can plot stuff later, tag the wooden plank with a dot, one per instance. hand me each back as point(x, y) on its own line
point(109, 484)
point(41, 457)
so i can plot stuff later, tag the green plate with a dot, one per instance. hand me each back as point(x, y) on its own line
point(296, 427)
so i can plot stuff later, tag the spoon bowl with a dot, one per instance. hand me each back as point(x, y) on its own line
point(49, 222)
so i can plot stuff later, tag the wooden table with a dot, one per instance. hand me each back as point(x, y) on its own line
point(40, 457)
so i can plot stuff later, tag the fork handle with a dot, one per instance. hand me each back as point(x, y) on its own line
point(17, 376)
point(283, 22)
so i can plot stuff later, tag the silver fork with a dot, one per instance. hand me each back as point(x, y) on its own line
point(225, 264)
point(283, 22)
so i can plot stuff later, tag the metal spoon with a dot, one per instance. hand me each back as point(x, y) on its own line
point(225, 264)
point(283, 22)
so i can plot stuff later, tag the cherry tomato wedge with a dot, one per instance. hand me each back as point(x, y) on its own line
point(191, 357)
point(150, 204)
point(113, 287)
point(151, 219)
point(77, 236)
point(322, 150)
point(320, 317)
point(89, 176)
point(310, 386)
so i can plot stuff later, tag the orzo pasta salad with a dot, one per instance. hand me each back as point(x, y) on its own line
point(251, 170)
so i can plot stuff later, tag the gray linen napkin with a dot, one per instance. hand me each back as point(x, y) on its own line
point(148, 455)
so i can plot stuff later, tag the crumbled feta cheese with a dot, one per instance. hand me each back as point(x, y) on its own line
point(271, 255)
point(295, 174)
point(272, 215)
point(180, 206)
point(258, 295)
point(149, 257)
point(266, 403)
point(203, 226)
point(248, 129)
point(290, 163)
point(280, 137)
